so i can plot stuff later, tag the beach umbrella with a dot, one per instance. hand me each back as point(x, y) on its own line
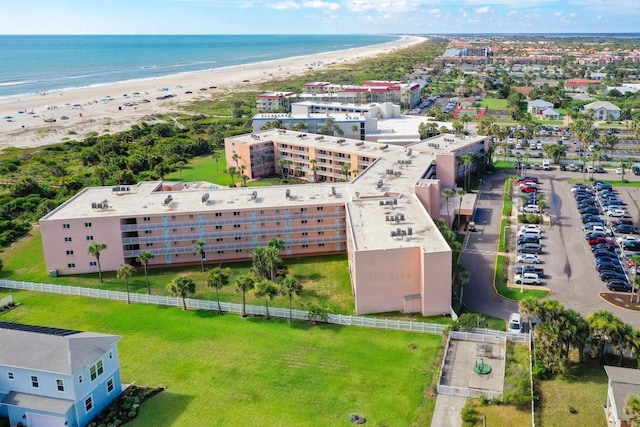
point(7, 117)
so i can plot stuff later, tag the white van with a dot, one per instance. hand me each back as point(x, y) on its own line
point(515, 324)
point(545, 165)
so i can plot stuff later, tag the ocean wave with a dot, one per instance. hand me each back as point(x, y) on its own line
point(17, 83)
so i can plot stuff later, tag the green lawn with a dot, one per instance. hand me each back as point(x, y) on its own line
point(232, 371)
point(325, 279)
point(585, 389)
point(204, 168)
point(494, 103)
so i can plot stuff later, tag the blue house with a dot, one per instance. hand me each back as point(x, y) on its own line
point(53, 377)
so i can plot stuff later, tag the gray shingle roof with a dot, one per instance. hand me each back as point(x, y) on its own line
point(624, 382)
point(32, 401)
point(540, 103)
point(45, 351)
point(601, 104)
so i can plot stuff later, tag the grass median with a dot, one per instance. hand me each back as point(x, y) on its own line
point(234, 371)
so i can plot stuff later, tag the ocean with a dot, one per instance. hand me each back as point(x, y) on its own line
point(36, 64)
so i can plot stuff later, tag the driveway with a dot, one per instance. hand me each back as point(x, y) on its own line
point(479, 253)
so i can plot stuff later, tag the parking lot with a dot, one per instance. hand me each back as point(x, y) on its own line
point(568, 262)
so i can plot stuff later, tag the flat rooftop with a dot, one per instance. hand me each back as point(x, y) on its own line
point(397, 168)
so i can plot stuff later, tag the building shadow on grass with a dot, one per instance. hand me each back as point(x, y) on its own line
point(155, 411)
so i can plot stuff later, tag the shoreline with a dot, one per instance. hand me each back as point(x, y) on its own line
point(100, 108)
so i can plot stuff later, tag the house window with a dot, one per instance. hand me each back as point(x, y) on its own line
point(34, 381)
point(320, 208)
point(110, 355)
point(80, 379)
point(69, 252)
point(92, 371)
point(71, 265)
point(11, 376)
point(146, 219)
point(149, 245)
point(218, 227)
point(88, 404)
point(236, 213)
point(93, 263)
point(220, 252)
point(238, 238)
point(238, 251)
point(66, 225)
point(321, 245)
point(100, 367)
point(89, 238)
point(304, 221)
point(261, 212)
point(148, 231)
point(87, 225)
point(173, 217)
point(190, 216)
point(67, 239)
point(110, 385)
point(218, 213)
point(305, 233)
point(303, 209)
point(236, 225)
point(305, 246)
point(60, 385)
point(219, 239)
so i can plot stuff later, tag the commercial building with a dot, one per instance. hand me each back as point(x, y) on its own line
point(373, 201)
point(274, 101)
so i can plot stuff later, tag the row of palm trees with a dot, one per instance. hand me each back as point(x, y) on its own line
point(561, 329)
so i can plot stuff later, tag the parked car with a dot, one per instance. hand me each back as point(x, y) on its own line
point(529, 178)
point(619, 285)
point(530, 248)
point(515, 324)
point(606, 275)
point(531, 227)
point(604, 246)
point(530, 233)
point(616, 212)
point(591, 218)
point(635, 170)
point(593, 234)
point(521, 269)
point(598, 240)
point(531, 209)
point(609, 266)
point(528, 189)
point(589, 210)
point(619, 221)
point(624, 229)
point(528, 259)
point(527, 279)
point(628, 239)
point(631, 245)
point(598, 253)
point(524, 239)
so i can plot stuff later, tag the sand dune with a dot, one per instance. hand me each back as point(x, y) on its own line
point(102, 108)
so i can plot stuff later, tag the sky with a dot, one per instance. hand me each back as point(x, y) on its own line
point(317, 16)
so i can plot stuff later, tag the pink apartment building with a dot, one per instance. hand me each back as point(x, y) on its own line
point(381, 217)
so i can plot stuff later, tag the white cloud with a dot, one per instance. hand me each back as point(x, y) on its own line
point(284, 5)
point(435, 12)
point(319, 4)
point(557, 13)
point(483, 9)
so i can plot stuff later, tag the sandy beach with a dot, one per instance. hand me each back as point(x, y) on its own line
point(115, 107)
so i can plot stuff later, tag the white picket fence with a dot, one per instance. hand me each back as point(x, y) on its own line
point(257, 310)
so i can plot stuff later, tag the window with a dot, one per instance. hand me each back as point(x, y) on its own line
point(190, 216)
point(220, 252)
point(11, 376)
point(100, 367)
point(304, 221)
point(67, 239)
point(89, 238)
point(261, 212)
point(66, 225)
point(71, 265)
point(321, 245)
point(303, 209)
point(175, 230)
point(218, 213)
point(238, 251)
point(173, 217)
point(69, 252)
point(60, 385)
point(93, 263)
point(88, 404)
point(80, 379)
point(219, 239)
point(238, 238)
point(218, 227)
point(110, 385)
point(146, 219)
point(320, 208)
point(236, 225)
point(277, 211)
point(175, 243)
point(236, 213)
point(34, 381)
point(110, 355)
point(148, 231)
point(320, 233)
point(193, 229)
point(320, 220)
point(149, 245)
point(87, 225)
point(305, 246)
point(304, 233)
point(92, 371)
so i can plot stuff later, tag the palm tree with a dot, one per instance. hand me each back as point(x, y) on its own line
point(198, 249)
point(346, 167)
point(632, 410)
point(260, 263)
point(448, 194)
point(216, 158)
point(244, 283)
point(603, 325)
point(460, 192)
point(314, 169)
point(232, 173)
point(144, 258)
point(268, 290)
point(467, 160)
point(125, 272)
point(290, 286)
point(217, 278)
point(180, 165)
point(236, 158)
point(464, 278)
point(274, 247)
point(181, 287)
point(94, 250)
point(610, 141)
point(354, 129)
